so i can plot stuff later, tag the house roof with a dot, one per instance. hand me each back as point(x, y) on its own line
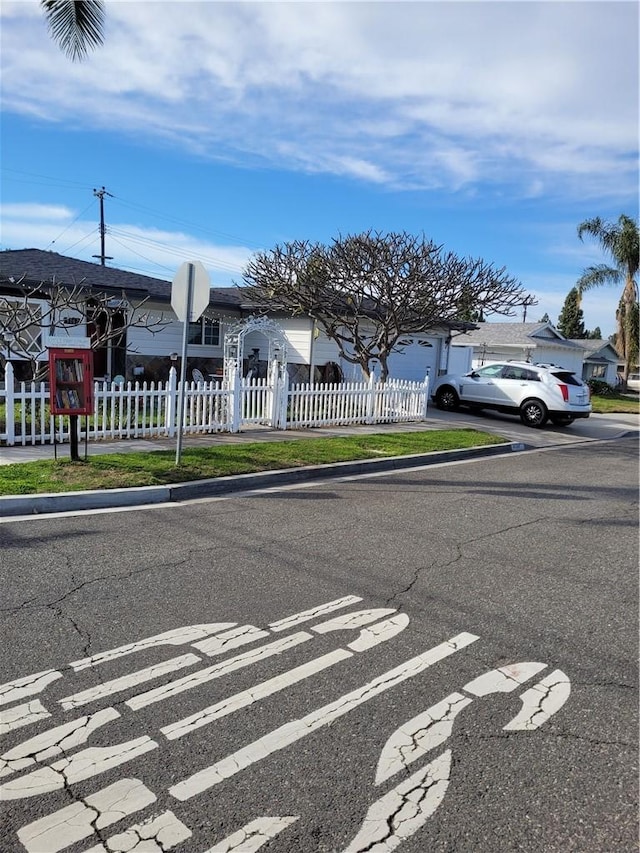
point(597, 350)
point(35, 267)
point(514, 335)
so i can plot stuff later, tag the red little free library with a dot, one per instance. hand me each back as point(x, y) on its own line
point(71, 381)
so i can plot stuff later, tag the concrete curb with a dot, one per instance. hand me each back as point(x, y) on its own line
point(22, 505)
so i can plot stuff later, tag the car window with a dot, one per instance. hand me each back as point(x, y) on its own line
point(490, 370)
point(520, 373)
point(567, 377)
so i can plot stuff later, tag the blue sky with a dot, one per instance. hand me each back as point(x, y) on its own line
point(220, 129)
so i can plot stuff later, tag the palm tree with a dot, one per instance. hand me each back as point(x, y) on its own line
point(619, 240)
point(75, 25)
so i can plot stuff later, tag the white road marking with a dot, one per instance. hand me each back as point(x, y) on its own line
point(349, 621)
point(54, 741)
point(295, 730)
point(28, 686)
point(116, 685)
point(253, 694)
point(313, 613)
point(505, 679)
point(239, 636)
point(60, 829)
point(419, 735)
point(22, 715)
point(252, 836)
point(541, 701)
point(400, 813)
point(202, 676)
point(379, 633)
point(83, 765)
point(155, 835)
point(176, 637)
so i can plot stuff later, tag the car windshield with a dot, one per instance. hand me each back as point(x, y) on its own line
point(489, 370)
point(568, 378)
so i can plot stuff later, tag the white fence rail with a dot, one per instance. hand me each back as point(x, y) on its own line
point(134, 410)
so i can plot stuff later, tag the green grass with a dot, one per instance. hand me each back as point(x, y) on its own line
point(616, 404)
point(121, 470)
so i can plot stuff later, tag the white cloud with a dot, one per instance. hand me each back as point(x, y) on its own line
point(47, 212)
point(532, 94)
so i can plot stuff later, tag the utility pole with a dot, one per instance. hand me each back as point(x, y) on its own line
point(101, 194)
point(530, 300)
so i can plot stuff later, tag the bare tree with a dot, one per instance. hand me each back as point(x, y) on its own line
point(29, 314)
point(369, 291)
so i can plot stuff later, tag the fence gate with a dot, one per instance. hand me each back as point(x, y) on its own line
point(254, 400)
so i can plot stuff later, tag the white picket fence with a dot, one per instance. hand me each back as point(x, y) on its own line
point(135, 410)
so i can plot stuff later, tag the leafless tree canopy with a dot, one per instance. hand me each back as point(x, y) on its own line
point(367, 291)
point(28, 314)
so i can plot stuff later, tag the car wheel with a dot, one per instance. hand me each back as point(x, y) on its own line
point(533, 413)
point(447, 399)
point(562, 420)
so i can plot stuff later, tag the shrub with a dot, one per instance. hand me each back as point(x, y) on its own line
point(601, 388)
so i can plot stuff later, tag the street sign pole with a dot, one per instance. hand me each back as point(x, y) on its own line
point(183, 364)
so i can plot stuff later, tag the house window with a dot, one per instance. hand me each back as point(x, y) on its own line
point(598, 371)
point(205, 332)
point(22, 322)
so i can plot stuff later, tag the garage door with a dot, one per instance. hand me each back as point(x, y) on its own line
point(419, 357)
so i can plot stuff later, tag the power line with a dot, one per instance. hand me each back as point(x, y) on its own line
point(174, 251)
point(57, 182)
point(64, 231)
point(241, 240)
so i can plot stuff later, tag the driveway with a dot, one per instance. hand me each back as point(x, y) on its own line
point(594, 428)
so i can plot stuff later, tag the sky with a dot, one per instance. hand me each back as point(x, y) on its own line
point(221, 129)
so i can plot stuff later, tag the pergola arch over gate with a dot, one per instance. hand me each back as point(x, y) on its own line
point(234, 345)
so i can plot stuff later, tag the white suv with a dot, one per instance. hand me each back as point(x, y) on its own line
point(537, 392)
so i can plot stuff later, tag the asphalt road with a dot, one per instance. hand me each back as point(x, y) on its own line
point(360, 722)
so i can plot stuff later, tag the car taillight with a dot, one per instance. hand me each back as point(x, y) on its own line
point(564, 390)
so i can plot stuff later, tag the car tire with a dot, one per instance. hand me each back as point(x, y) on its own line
point(447, 399)
point(562, 420)
point(533, 413)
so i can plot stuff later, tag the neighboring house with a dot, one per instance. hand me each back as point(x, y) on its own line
point(533, 342)
point(601, 360)
point(138, 354)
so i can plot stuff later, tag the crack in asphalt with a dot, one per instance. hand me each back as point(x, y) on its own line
point(118, 577)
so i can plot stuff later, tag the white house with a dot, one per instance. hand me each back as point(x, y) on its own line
point(139, 354)
point(534, 342)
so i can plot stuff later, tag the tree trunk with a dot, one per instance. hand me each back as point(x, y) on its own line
point(625, 344)
point(384, 368)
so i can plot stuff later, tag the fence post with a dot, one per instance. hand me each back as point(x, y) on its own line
point(235, 401)
point(170, 406)
point(425, 402)
point(9, 387)
point(371, 394)
point(282, 378)
point(274, 384)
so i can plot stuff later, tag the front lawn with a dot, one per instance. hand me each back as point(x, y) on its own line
point(615, 404)
point(122, 470)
